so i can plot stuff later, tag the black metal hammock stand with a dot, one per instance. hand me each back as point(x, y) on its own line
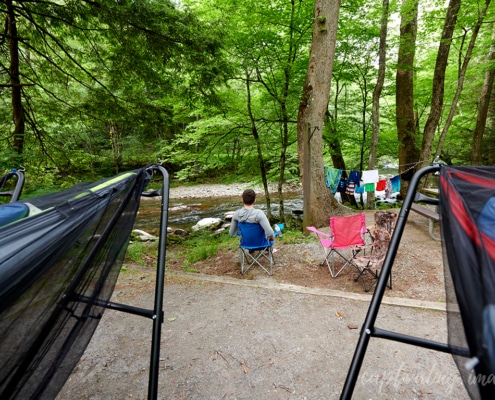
point(59, 262)
point(467, 219)
point(11, 184)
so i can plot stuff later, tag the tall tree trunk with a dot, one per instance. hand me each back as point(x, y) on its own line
point(332, 140)
point(363, 86)
point(283, 158)
point(117, 147)
point(486, 90)
point(405, 116)
point(313, 106)
point(285, 115)
point(460, 80)
point(490, 130)
point(437, 95)
point(336, 152)
point(375, 111)
point(18, 111)
point(254, 132)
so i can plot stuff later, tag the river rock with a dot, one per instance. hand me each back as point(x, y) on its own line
point(173, 238)
point(208, 223)
point(142, 236)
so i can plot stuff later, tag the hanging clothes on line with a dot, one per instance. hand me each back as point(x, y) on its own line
point(342, 185)
point(359, 182)
point(388, 189)
point(355, 177)
point(369, 187)
point(381, 184)
point(395, 181)
point(351, 186)
point(332, 178)
point(370, 176)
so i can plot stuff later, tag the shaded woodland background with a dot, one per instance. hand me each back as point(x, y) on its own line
point(224, 89)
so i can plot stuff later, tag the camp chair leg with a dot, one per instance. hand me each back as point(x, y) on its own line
point(375, 276)
point(250, 259)
point(431, 228)
point(331, 267)
point(242, 260)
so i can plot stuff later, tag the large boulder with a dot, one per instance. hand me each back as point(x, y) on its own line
point(229, 215)
point(142, 236)
point(208, 223)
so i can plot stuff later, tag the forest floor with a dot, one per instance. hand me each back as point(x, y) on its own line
point(286, 336)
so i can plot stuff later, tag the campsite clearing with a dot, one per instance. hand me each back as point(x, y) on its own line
point(289, 336)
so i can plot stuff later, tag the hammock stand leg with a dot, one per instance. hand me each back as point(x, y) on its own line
point(159, 291)
point(157, 313)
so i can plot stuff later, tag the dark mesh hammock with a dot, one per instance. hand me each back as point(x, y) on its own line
point(467, 200)
point(58, 268)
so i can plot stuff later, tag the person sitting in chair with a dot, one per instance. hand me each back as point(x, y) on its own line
point(250, 214)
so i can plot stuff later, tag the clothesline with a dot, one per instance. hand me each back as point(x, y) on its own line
point(368, 181)
point(412, 165)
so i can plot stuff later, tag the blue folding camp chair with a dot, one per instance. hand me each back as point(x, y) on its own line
point(254, 247)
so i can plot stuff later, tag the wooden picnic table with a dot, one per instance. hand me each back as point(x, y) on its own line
point(430, 191)
point(432, 215)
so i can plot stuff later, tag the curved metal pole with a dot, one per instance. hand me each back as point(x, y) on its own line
point(14, 194)
point(369, 323)
point(159, 289)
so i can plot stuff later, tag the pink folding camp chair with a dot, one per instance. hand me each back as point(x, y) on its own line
point(346, 233)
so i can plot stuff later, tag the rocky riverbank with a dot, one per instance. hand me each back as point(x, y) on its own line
point(230, 190)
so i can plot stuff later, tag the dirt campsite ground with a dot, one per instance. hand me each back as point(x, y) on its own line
point(287, 336)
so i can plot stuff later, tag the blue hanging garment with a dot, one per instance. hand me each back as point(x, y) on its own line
point(355, 177)
point(332, 178)
point(395, 181)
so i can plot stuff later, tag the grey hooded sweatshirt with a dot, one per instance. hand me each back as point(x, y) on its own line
point(253, 216)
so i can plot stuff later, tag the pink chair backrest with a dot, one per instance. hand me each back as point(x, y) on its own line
point(348, 231)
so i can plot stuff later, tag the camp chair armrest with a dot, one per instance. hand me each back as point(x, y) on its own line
point(313, 229)
point(365, 247)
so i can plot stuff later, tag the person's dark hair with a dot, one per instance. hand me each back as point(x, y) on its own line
point(248, 197)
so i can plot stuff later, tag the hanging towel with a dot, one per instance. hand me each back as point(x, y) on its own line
point(395, 183)
point(370, 176)
point(360, 189)
point(381, 185)
point(369, 187)
point(332, 178)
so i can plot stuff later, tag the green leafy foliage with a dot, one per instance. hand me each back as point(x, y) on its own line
point(212, 87)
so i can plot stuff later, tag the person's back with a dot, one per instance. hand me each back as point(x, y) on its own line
point(250, 214)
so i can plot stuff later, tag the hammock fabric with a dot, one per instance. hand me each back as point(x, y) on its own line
point(467, 199)
point(58, 268)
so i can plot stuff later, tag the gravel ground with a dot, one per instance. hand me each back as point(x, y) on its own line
point(260, 341)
